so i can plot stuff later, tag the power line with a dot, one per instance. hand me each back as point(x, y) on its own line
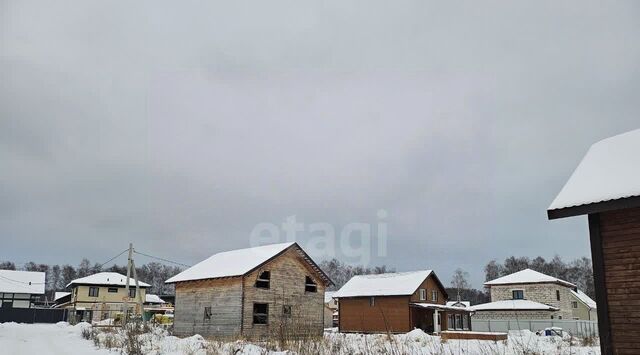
point(22, 282)
point(162, 259)
point(110, 260)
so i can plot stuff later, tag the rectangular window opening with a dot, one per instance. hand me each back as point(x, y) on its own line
point(112, 290)
point(93, 291)
point(260, 313)
point(207, 313)
point(423, 294)
point(286, 311)
point(517, 294)
point(264, 280)
point(434, 295)
point(310, 285)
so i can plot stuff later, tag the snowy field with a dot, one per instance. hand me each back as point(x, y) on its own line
point(63, 338)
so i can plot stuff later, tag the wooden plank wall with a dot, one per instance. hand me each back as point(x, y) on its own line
point(620, 233)
point(389, 313)
point(224, 296)
point(287, 287)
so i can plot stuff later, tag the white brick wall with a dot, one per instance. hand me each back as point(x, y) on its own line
point(541, 292)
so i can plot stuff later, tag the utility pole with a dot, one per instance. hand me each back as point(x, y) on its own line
point(131, 267)
point(126, 286)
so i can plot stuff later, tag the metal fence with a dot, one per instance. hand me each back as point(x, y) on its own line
point(33, 315)
point(579, 328)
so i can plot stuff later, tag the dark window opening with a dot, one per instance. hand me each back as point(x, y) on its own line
point(260, 313)
point(286, 311)
point(558, 295)
point(310, 285)
point(93, 291)
point(112, 290)
point(207, 313)
point(264, 280)
point(132, 292)
point(517, 294)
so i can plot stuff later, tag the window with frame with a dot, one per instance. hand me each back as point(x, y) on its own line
point(112, 290)
point(132, 292)
point(450, 322)
point(423, 294)
point(517, 294)
point(94, 291)
point(434, 295)
point(286, 311)
point(372, 301)
point(574, 304)
point(207, 313)
point(310, 285)
point(260, 313)
point(264, 280)
point(557, 295)
point(458, 321)
point(465, 321)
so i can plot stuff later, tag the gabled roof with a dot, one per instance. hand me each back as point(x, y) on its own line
point(527, 276)
point(391, 284)
point(607, 178)
point(59, 295)
point(582, 297)
point(241, 262)
point(12, 281)
point(150, 298)
point(512, 305)
point(461, 304)
point(107, 279)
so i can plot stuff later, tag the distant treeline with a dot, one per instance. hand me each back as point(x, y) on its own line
point(578, 271)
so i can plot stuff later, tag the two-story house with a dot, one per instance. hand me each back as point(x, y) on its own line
point(255, 292)
point(529, 294)
point(102, 295)
point(397, 303)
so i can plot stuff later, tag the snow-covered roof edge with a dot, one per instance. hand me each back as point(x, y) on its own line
point(607, 174)
point(107, 278)
point(512, 305)
point(252, 268)
point(529, 276)
point(586, 300)
point(368, 289)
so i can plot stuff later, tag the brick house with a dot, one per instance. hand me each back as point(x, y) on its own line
point(606, 187)
point(254, 292)
point(397, 303)
point(528, 294)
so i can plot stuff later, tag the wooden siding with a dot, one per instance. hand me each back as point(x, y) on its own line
point(620, 237)
point(429, 284)
point(287, 287)
point(224, 296)
point(389, 314)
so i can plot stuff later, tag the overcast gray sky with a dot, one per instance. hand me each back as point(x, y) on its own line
point(181, 126)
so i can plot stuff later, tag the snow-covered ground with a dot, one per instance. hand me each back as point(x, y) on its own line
point(62, 338)
point(37, 339)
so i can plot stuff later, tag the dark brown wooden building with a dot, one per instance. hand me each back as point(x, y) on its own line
point(606, 187)
point(398, 303)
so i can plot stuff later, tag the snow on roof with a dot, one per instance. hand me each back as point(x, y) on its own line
point(107, 279)
point(437, 306)
point(59, 295)
point(12, 281)
point(230, 263)
point(522, 305)
point(584, 298)
point(610, 170)
point(391, 284)
point(527, 276)
point(150, 298)
point(464, 304)
point(328, 296)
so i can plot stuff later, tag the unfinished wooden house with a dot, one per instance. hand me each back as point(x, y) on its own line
point(606, 187)
point(256, 292)
point(398, 303)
